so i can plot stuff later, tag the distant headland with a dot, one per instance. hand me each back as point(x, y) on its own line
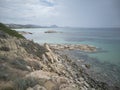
point(17, 26)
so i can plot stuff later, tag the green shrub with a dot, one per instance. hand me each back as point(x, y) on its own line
point(19, 64)
point(4, 48)
point(24, 83)
point(3, 59)
point(9, 31)
point(35, 65)
point(4, 73)
point(34, 48)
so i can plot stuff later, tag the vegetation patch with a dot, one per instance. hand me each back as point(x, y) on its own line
point(4, 73)
point(9, 31)
point(4, 48)
point(24, 83)
point(19, 64)
point(34, 48)
point(35, 65)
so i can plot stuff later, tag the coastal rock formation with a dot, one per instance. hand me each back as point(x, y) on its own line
point(25, 65)
point(23, 32)
point(50, 55)
point(85, 48)
point(22, 60)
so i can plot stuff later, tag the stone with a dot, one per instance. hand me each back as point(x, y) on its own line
point(87, 66)
point(81, 79)
point(49, 85)
point(68, 87)
point(41, 74)
point(29, 88)
point(50, 55)
point(62, 80)
point(38, 87)
point(85, 48)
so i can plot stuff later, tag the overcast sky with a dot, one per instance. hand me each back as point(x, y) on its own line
point(77, 13)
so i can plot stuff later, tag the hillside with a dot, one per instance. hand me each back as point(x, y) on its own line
point(7, 30)
point(25, 65)
point(14, 26)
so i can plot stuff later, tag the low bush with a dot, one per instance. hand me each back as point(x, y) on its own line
point(34, 48)
point(19, 64)
point(4, 48)
point(24, 83)
point(4, 73)
point(9, 31)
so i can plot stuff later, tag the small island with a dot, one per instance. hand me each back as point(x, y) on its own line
point(52, 31)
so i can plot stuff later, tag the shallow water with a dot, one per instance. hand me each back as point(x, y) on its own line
point(104, 72)
point(108, 39)
point(105, 64)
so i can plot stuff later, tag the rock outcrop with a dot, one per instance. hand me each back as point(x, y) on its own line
point(81, 47)
point(25, 65)
point(23, 32)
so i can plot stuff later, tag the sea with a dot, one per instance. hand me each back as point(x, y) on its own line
point(105, 63)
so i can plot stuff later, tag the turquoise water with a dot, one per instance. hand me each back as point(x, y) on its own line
point(105, 64)
point(108, 39)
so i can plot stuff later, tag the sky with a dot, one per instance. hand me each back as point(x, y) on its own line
point(74, 13)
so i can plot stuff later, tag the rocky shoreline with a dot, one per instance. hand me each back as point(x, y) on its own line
point(23, 32)
point(25, 65)
point(54, 72)
point(81, 47)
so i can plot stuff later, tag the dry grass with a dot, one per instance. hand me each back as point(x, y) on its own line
point(6, 86)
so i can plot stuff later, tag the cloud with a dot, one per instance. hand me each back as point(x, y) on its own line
point(27, 9)
point(48, 2)
point(82, 13)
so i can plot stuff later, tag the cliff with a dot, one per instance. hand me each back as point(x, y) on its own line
point(25, 65)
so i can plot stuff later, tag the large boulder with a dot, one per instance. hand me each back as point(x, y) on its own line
point(36, 87)
point(50, 55)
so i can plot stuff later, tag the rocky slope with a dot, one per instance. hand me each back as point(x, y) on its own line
point(25, 65)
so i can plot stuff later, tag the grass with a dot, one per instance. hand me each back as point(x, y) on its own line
point(9, 31)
